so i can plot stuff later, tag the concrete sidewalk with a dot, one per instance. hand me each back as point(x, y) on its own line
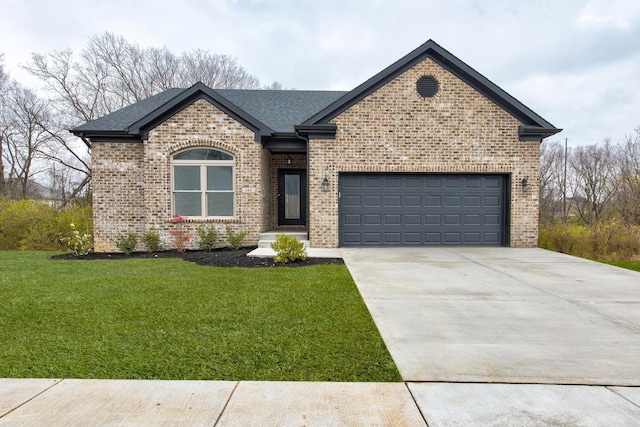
point(53, 403)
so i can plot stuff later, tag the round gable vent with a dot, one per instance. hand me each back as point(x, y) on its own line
point(427, 86)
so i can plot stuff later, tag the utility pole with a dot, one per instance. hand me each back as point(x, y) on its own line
point(564, 183)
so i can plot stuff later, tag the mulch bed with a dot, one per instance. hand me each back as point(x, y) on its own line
point(222, 257)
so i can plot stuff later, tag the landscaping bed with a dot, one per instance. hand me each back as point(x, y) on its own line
point(223, 257)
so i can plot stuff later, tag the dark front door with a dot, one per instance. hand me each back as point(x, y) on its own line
point(292, 197)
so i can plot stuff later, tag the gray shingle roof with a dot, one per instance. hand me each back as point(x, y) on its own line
point(121, 119)
point(280, 110)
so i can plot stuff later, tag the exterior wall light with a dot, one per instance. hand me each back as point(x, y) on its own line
point(289, 160)
point(525, 185)
point(325, 185)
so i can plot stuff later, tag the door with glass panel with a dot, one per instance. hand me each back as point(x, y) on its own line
point(292, 197)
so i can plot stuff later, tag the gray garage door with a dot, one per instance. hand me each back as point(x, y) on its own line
point(393, 209)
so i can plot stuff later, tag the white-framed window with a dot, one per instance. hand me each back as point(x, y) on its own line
point(202, 183)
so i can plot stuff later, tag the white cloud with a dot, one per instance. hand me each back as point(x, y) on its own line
point(573, 62)
point(618, 14)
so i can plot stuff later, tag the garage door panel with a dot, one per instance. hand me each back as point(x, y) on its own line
point(491, 219)
point(395, 219)
point(493, 182)
point(432, 182)
point(371, 219)
point(413, 238)
point(452, 219)
point(430, 219)
point(471, 238)
point(473, 182)
point(433, 201)
point(472, 201)
point(353, 238)
point(373, 238)
point(472, 220)
point(373, 182)
point(491, 201)
point(398, 209)
point(352, 219)
point(452, 202)
point(413, 219)
point(452, 237)
point(392, 201)
point(354, 201)
point(453, 181)
point(414, 183)
point(492, 237)
point(372, 202)
point(392, 238)
point(413, 201)
point(392, 182)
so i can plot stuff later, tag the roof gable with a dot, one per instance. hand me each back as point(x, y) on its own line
point(534, 127)
point(265, 112)
point(287, 113)
point(134, 122)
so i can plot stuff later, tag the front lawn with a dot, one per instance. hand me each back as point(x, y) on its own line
point(630, 265)
point(169, 319)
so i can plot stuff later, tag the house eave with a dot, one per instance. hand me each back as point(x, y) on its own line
point(105, 136)
point(284, 142)
point(317, 131)
point(535, 133)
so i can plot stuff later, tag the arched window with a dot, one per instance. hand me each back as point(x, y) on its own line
point(202, 180)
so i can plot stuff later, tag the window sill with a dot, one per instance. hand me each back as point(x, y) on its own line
point(196, 220)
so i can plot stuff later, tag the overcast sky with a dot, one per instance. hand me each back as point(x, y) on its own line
point(576, 63)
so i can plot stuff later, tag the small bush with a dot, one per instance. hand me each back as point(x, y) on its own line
point(288, 249)
point(234, 240)
point(180, 236)
point(79, 243)
point(151, 240)
point(128, 243)
point(208, 237)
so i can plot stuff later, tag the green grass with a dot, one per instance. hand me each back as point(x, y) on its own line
point(168, 319)
point(630, 265)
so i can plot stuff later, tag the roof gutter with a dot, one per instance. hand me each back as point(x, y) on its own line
point(322, 131)
point(535, 133)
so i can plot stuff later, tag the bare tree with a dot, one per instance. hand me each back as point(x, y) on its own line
point(627, 200)
point(553, 162)
point(24, 138)
point(594, 171)
point(111, 73)
point(216, 71)
point(3, 83)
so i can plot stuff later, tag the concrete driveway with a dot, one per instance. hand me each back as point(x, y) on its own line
point(502, 315)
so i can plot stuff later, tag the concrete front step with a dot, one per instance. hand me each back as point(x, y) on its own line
point(267, 243)
point(270, 236)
